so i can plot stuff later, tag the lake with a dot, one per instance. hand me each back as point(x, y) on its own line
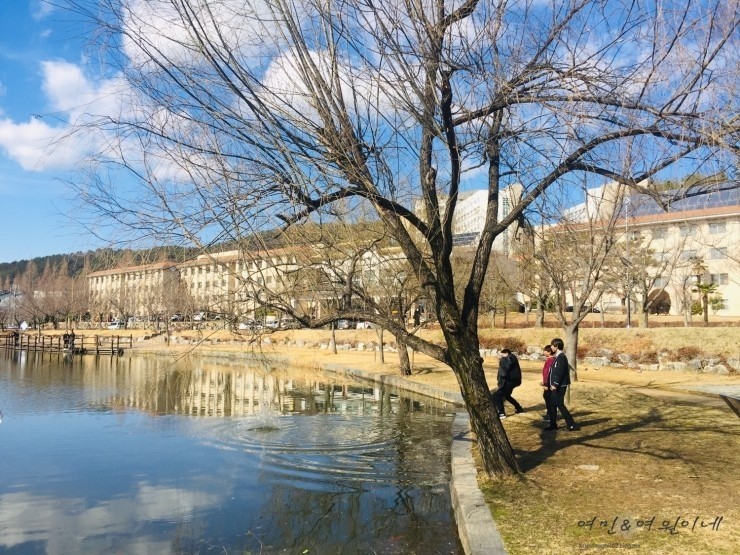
point(146, 455)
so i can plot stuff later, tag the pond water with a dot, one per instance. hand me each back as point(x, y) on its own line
point(143, 455)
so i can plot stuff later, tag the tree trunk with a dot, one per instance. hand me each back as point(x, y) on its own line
point(644, 318)
point(540, 320)
point(705, 307)
point(465, 361)
point(571, 347)
point(403, 357)
point(380, 347)
point(333, 339)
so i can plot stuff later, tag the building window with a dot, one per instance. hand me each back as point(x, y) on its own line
point(688, 255)
point(716, 228)
point(688, 230)
point(718, 253)
point(661, 282)
point(719, 279)
point(659, 233)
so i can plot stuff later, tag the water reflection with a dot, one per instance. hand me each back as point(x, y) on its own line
point(126, 455)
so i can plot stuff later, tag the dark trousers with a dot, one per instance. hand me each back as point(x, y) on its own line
point(551, 404)
point(557, 403)
point(504, 392)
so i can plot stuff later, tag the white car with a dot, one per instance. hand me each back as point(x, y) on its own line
point(117, 325)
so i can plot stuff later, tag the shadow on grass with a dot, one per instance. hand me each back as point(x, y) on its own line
point(553, 441)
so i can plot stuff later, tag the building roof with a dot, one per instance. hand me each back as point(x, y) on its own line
point(689, 200)
point(129, 269)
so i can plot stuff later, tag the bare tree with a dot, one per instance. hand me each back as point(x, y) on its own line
point(587, 233)
point(238, 115)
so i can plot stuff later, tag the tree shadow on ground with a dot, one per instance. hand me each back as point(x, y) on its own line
point(591, 431)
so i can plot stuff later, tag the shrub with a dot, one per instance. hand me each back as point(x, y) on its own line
point(582, 351)
point(647, 357)
point(688, 352)
point(515, 344)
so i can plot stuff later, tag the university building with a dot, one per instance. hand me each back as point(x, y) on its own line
point(695, 242)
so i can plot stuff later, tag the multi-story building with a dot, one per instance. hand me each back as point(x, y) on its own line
point(145, 290)
point(669, 252)
point(693, 243)
point(696, 241)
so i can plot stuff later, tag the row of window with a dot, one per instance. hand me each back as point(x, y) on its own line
point(715, 253)
point(717, 279)
point(686, 230)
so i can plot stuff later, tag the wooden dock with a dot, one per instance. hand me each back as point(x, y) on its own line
point(112, 345)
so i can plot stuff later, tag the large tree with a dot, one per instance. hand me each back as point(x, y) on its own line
point(238, 115)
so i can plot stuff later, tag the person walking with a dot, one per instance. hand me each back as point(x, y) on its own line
point(559, 382)
point(547, 395)
point(509, 377)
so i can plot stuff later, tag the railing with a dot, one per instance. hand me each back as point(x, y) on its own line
point(77, 344)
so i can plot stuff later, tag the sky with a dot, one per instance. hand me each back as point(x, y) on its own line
point(40, 55)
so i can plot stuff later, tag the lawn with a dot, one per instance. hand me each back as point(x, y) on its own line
point(638, 467)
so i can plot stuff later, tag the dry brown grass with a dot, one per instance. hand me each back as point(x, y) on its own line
point(645, 458)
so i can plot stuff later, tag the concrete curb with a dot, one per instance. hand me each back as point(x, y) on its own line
point(397, 381)
point(476, 528)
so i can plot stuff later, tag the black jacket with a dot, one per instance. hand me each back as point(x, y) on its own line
point(560, 371)
point(509, 371)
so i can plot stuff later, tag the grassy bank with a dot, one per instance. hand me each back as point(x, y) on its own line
point(636, 457)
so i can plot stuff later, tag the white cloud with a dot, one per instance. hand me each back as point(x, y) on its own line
point(27, 143)
point(45, 142)
point(41, 9)
point(69, 525)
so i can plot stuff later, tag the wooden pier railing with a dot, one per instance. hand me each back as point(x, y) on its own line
point(77, 344)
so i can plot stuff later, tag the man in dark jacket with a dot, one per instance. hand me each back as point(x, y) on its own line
point(509, 377)
point(559, 382)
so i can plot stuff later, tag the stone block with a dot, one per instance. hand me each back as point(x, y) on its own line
point(596, 362)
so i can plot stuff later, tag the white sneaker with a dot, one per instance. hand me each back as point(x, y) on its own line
point(501, 416)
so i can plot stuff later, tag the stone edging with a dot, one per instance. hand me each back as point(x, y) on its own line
point(475, 526)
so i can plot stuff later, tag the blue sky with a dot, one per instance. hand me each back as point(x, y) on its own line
point(38, 54)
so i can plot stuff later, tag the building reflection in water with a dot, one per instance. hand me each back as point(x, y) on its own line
point(108, 453)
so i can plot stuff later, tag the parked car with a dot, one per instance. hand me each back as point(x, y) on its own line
point(343, 325)
point(117, 325)
point(199, 317)
point(176, 318)
point(593, 309)
point(289, 324)
point(365, 325)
